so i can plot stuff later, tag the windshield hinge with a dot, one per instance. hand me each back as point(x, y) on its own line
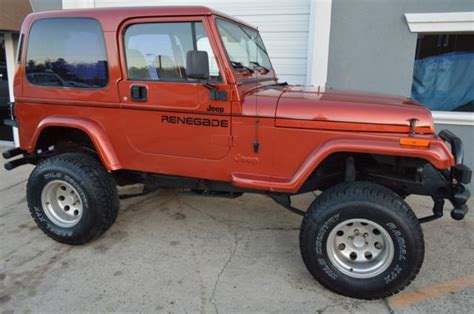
point(215, 94)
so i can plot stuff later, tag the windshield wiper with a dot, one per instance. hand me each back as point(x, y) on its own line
point(239, 65)
point(280, 84)
point(258, 66)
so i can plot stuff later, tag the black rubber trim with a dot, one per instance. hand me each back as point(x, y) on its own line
point(457, 148)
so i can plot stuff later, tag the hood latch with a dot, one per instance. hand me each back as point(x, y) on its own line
point(413, 126)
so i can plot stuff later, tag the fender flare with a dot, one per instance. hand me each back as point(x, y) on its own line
point(437, 154)
point(91, 128)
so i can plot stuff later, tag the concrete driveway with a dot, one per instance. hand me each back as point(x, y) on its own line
point(179, 252)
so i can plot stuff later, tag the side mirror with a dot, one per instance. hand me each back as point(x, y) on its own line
point(197, 65)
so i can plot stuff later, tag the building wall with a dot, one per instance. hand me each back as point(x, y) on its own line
point(371, 47)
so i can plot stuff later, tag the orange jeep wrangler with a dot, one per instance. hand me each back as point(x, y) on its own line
point(186, 97)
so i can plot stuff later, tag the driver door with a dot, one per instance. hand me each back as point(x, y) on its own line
point(163, 111)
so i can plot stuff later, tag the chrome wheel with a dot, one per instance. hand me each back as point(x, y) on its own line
point(62, 203)
point(360, 248)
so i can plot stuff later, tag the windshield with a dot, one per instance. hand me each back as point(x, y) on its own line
point(244, 47)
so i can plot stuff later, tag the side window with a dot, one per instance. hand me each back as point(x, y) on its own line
point(157, 51)
point(67, 52)
point(203, 44)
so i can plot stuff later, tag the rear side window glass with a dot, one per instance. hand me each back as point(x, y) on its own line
point(67, 52)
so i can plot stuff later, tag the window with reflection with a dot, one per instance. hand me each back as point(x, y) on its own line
point(443, 76)
point(157, 51)
point(68, 53)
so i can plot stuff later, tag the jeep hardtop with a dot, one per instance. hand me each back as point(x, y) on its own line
point(186, 97)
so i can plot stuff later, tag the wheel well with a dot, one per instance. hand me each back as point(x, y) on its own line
point(64, 139)
point(336, 168)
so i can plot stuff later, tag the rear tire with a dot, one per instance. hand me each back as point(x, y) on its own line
point(72, 198)
point(361, 240)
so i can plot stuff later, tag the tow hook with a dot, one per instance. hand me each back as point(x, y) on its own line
point(459, 201)
point(459, 213)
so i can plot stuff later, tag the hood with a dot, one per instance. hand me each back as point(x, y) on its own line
point(339, 110)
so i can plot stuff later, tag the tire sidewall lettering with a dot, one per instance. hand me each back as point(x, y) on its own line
point(399, 240)
point(321, 246)
point(399, 262)
point(321, 236)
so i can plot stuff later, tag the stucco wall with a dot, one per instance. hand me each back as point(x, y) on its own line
point(371, 47)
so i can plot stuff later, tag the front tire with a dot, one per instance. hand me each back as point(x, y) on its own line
point(361, 240)
point(72, 198)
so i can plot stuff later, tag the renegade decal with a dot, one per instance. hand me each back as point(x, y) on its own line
point(215, 123)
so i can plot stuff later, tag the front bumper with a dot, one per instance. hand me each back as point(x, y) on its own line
point(458, 176)
point(460, 172)
point(440, 185)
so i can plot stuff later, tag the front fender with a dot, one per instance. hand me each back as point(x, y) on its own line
point(437, 154)
point(94, 130)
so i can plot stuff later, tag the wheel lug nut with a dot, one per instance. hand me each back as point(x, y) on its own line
point(350, 238)
point(356, 231)
point(366, 235)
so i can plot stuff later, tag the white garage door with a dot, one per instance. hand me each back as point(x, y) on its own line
point(283, 24)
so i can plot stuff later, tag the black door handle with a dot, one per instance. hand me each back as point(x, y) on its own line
point(138, 93)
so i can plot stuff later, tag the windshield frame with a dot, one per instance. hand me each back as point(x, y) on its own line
point(241, 76)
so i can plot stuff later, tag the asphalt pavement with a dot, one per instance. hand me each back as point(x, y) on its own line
point(175, 251)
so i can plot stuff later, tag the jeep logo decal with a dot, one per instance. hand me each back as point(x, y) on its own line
point(246, 159)
point(215, 109)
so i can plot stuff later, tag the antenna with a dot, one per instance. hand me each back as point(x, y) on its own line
point(256, 143)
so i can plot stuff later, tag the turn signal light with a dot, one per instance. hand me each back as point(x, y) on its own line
point(414, 142)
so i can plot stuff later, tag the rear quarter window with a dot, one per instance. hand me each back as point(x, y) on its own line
point(67, 53)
